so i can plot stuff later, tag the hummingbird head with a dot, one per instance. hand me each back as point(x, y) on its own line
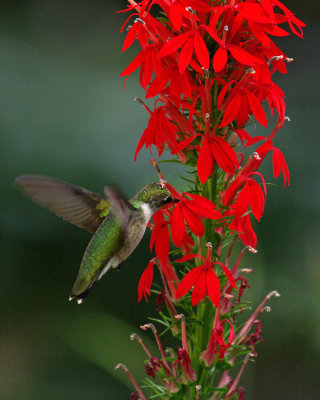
point(155, 196)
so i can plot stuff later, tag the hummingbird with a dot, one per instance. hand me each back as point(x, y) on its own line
point(117, 224)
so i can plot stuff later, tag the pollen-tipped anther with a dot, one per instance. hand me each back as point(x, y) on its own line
point(140, 20)
point(226, 28)
point(198, 389)
point(286, 118)
point(275, 58)
point(154, 330)
point(189, 9)
point(246, 270)
point(125, 369)
point(256, 155)
point(121, 366)
point(273, 293)
point(266, 309)
point(134, 336)
point(179, 316)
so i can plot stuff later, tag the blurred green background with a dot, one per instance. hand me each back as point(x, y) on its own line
point(63, 113)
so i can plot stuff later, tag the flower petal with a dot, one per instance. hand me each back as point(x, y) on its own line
point(185, 55)
point(145, 281)
point(243, 56)
point(257, 108)
point(177, 226)
point(201, 50)
point(204, 163)
point(213, 287)
point(220, 59)
point(199, 289)
point(193, 220)
point(188, 281)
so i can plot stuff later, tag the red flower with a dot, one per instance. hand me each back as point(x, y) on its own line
point(243, 227)
point(145, 281)
point(220, 57)
point(148, 62)
point(251, 194)
point(217, 343)
point(213, 148)
point(160, 235)
point(191, 208)
point(160, 131)
point(189, 42)
point(218, 149)
point(280, 165)
point(203, 279)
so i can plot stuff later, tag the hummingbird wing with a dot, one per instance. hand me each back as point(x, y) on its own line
point(121, 208)
point(74, 204)
point(104, 249)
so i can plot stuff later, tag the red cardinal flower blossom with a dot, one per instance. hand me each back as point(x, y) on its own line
point(190, 209)
point(203, 279)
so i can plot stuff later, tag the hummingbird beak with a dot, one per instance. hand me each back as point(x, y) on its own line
point(171, 200)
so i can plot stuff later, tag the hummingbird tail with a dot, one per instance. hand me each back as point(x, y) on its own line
point(80, 297)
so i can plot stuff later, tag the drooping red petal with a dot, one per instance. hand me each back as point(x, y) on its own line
point(220, 59)
point(229, 275)
point(201, 50)
point(177, 226)
point(135, 63)
point(257, 199)
point(162, 245)
point(140, 145)
point(188, 281)
point(243, 56)
point(243, 201)
point(203, 206)
point(145, 281)
point(159, 82)
point(213, 287)
point(231, 110)
point(199, 289)
point(280, 165)
point(173, 44)
point(183, 144)
point(131, 35)
point(204, 162)
point(175, 15)
point(257, 108)
point(185, 55)
point(224, 154)
point(193, 220)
